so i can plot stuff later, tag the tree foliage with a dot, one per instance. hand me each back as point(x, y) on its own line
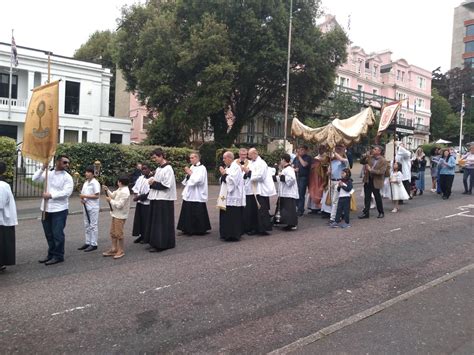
point(194, 60)
point(100, 49)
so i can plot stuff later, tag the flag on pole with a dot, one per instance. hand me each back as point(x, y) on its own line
point(388, 114)
point(41, 124)
point(14, 58)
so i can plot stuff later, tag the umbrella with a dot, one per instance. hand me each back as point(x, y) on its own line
point(442, 141)
point(345, 132)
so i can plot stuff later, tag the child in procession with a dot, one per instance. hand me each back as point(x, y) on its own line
point(90, 200)
point(120, 205)
point(344, 187)
point(399, 192)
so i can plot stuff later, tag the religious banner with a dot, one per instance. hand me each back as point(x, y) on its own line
point(41, 125)
point(388, 114)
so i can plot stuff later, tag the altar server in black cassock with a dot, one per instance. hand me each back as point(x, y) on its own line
point(8, 221)
point(231, 199)
point(194, 218)
point(141, 188)
point(260, 187)
point(160, 232)
point(288, 194)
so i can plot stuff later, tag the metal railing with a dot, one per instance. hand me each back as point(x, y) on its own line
point(14, 102)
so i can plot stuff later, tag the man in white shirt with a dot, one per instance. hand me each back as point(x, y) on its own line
point(55, 204)
point(403, 157)
point(194, 218)
point(90, 200)
point(262, 187)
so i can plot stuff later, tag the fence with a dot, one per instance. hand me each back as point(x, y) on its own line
point(23, 186)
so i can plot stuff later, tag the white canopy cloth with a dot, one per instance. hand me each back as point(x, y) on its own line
point(442, 141)
point(345, 132)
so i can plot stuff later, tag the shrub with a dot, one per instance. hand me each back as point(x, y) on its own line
point(118, 159)
point(8, 156)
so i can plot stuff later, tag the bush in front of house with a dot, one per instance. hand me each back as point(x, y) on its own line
point(8, 156)
point(116, 160)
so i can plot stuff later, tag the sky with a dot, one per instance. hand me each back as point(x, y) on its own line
point(418, 31)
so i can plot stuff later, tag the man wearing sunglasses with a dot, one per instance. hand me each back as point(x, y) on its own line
point(60, 186)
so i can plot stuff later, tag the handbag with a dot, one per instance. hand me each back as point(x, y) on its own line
point(353, 202)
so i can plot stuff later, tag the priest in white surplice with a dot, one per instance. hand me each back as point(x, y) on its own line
point(288, 194)
point(260, 182)
point(231, 200)
point(141, 189)
point(160, 230)
point(194, 219)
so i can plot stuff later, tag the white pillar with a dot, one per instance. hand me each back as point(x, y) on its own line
point(79, 136)
point(31, 84)
point(61, 135)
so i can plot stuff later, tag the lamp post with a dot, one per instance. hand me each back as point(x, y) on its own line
point(288, 75)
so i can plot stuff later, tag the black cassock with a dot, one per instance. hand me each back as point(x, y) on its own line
point(7, 245)
point(231, 223)
point(194, 218)
point(287, 207)
point(257, 220)
point(140, 221)
point(160, 229)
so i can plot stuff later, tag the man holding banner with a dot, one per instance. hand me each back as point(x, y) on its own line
point(39, 143)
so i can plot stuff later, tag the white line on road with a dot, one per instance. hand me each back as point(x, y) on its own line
point(155, 289)
point(241, 267)
point(396, 229)
point(457, 214)
point(302, 342)
point(80, 308)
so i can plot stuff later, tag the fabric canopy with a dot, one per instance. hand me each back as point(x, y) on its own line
point(345, 132)
point(442, 141)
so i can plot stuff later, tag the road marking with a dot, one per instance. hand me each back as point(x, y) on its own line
point(302, 342)
point(241, 267)
point(394, 230)
point(464, 214)
point(80, 308)
point(158, 288)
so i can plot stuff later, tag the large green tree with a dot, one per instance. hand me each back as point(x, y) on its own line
point(444, 123)
point(99, 49)
point(196, 60)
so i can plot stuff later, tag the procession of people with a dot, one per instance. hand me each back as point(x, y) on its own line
point(323, 185)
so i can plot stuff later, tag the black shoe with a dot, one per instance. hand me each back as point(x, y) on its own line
point(153, 250)
point(445, 197)
point(466, 193)
point(364, 216)
point(421, 192)
point(264, 233)
point(300, 214)
point(138, 240)
point(251, 233)
point(381, 215)
point(401, 202)
point(42, 261)
point(91, 248)
point(53, 261)
point(2, 267)
point(85, 246)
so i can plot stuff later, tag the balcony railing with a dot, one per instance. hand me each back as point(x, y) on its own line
point(422, 128)
point(21, 103)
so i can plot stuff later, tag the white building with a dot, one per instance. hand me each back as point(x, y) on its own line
point(83, 97)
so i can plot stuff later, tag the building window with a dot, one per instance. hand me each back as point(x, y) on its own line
point(420, 103)
point(399, 75)
point(360, 88)
point(374, 70)
point(470, 30)
point(469, 47)
point(5, 85)
point(403, 76)
point(71, 136)
point(421, 83)
point(343, 81)
point(73, 90)
point(375, 91)
point(9, 131)
point(469, 62)
point(84, 136)
point(115, 138)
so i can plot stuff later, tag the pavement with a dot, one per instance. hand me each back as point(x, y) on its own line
point(257, 296)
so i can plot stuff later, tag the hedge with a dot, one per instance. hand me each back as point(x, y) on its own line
point(117, 160)
point(8, 156)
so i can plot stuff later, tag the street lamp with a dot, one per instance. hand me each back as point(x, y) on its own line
point(288, 75)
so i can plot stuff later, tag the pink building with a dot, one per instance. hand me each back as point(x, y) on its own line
point(138, 116)
point(378, 74)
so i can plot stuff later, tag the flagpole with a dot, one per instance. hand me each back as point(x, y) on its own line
point(45, 205)
point(10, 82)
point(460, 126)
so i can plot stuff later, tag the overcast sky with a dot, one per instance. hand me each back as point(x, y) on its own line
point(416, 30)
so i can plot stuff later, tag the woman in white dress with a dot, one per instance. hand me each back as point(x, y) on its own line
point(399, 192)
